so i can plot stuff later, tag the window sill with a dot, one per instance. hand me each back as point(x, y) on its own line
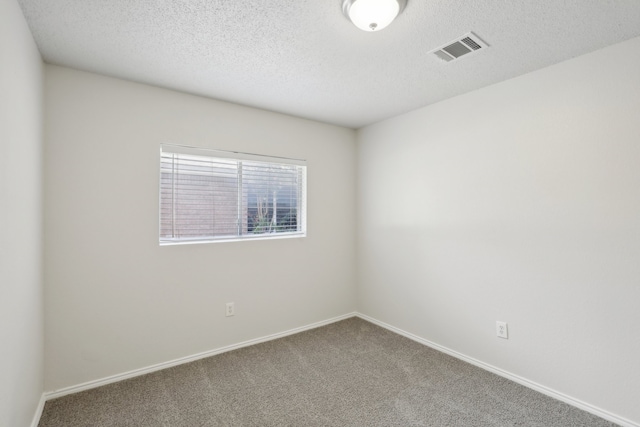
point(233, 239)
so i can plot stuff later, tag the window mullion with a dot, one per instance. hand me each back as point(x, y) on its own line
point(173, 195)
point(240, 204)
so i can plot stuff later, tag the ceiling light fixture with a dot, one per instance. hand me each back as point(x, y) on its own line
point(372, 15)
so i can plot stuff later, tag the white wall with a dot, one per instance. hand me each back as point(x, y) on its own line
point(21, 319)
point(116, 300)
point(519, 202)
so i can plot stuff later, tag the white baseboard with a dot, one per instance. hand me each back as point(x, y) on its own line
point(157, 367)
point(515, 378)
point(520, 380)
point(38, 414)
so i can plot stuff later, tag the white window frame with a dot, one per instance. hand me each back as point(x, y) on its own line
point(301, 217)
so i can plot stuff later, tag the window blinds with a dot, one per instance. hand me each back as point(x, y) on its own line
point(213, 195)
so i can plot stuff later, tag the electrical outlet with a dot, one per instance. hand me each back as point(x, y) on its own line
point(231, 309)
point(501, 330)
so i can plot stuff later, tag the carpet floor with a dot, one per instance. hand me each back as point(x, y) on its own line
point(349, 373)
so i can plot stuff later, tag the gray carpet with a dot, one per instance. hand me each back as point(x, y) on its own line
point(350, 373)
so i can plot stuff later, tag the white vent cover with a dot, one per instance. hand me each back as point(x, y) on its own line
point(467, 44)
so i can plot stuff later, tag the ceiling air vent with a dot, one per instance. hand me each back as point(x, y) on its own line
point(469, 43)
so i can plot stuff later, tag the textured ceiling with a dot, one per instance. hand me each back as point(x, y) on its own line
point(305, 58)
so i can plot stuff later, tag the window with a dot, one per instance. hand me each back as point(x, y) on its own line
point(208, 195)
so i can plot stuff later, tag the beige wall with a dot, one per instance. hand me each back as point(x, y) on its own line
point(519, 202)
point(21, 300)
point(116, 300)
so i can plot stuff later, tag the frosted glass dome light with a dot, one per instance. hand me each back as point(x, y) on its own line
point(372, 15)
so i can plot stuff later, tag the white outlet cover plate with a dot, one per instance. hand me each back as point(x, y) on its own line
point(502, 330)
point(230, 311)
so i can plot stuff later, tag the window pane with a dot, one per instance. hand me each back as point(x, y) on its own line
point(208, 198)
point(272, 197)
